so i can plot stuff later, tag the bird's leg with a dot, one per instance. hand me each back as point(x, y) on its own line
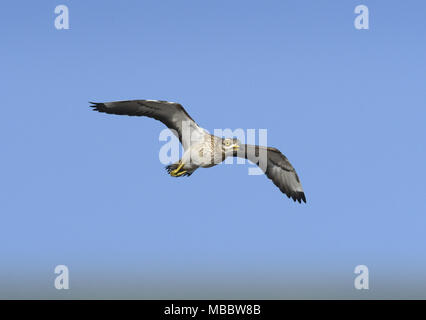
point(180, 173)
point(176, 173)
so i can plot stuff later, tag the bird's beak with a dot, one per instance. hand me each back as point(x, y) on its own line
point(236, 147)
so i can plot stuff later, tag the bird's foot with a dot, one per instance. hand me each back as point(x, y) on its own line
point(176, 173)
point(173, 174)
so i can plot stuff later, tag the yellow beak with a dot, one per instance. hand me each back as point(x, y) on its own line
point(236, 147)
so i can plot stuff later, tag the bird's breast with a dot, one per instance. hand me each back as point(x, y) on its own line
point(204, 156)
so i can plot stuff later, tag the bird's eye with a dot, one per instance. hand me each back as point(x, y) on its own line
point(227, 143)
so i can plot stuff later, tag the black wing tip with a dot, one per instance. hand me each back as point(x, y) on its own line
point(299, 197)
point(97, 106)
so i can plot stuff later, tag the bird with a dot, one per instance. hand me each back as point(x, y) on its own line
point(201, 149)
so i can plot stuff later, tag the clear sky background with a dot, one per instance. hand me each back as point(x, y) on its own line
point(87, 190)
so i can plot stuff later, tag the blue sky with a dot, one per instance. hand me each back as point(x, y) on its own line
point(87, 190)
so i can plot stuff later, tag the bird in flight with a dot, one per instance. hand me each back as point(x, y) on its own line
point(202, 149)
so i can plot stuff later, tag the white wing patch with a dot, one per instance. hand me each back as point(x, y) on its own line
point(161, 101)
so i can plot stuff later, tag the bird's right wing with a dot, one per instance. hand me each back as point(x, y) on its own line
point(172, 114)
point(276, 167)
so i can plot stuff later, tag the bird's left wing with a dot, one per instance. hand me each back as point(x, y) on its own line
point(172, 114)
point(276, 167)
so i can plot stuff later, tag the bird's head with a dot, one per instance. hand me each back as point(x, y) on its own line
point(230, 145)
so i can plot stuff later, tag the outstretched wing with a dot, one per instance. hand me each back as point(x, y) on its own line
point(278, 169)
point(172, 114)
